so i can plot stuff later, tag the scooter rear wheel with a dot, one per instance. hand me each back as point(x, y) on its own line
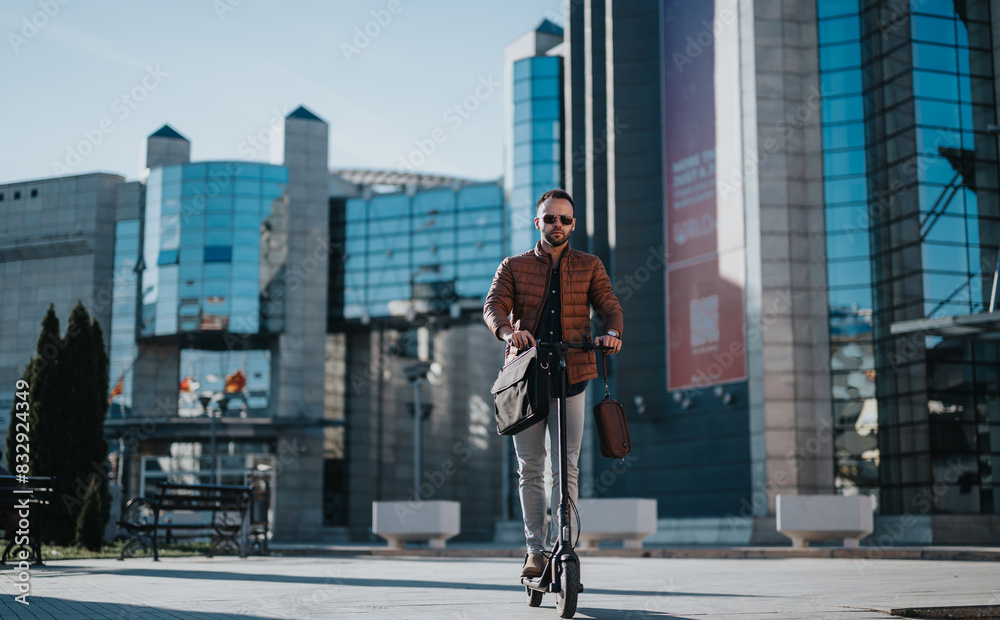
point(569, 588)
point(534, 597)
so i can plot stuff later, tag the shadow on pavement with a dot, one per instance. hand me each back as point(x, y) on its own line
point(156, 573)
point(614, 614)
point(60, 608)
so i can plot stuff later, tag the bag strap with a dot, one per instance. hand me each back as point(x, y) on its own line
point(604, 359)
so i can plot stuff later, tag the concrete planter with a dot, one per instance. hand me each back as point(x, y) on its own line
point(805, 518)
point(433, 521)
point(627, 519)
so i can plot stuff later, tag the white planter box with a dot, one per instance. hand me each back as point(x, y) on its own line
point(805, 518)
point(627, 519)
point(433, 521)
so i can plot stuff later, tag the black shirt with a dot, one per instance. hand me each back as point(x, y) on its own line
point(550, 330)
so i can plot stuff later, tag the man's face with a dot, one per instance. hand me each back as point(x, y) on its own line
point(555, 232)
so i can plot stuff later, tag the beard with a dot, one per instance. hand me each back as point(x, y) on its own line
point(556, 242)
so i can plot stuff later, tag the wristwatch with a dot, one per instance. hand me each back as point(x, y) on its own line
point(612, 332)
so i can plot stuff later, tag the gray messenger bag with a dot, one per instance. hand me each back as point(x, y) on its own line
point(521, 393)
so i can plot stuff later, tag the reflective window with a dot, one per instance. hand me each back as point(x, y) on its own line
point(849, 266)
point(845, 190)
point(935, 85)
point(836, 8)
point(419, 246)
point(840, 163)
point(843, 56)
point(933, 29)
point(847, 245)
point(839, 29)
point(167, 257)
point(839, 109)
point(935, 57)
point(848, 272)
point(189, 256)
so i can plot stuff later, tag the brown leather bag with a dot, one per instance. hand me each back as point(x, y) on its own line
point(612, 427)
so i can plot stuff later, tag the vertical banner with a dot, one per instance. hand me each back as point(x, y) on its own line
point(704, 218)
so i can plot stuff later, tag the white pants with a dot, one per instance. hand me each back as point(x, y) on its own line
point(529, 445)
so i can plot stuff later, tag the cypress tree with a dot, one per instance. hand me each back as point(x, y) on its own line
point(68, 380)
point(89, 524)
point(45, 406)
point(86, 382)
point(101, 406)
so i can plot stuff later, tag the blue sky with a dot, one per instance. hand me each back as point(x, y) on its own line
point(222, 72)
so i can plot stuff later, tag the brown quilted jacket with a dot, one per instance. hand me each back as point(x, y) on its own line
point(518, 293)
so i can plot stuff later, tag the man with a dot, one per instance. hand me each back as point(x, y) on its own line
point(545, 294)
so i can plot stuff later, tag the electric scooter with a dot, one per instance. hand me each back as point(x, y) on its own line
point(562, 572)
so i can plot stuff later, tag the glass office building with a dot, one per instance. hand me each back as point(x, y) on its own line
point(863, 173)
point(123, 349)
point(209, 257)
point(533, 128)
point(852, 360)
point(537, 144)
point(422, 251)
point(933, 210)
point(911, 197)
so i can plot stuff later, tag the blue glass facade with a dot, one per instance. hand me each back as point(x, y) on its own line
point(123, 310)
point(213, 249)
point(537, 144)
point(436, 244)
point(912, 229)
point(852, 361)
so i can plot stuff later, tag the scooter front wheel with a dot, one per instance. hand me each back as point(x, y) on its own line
point(569, 588)
point(534, 597)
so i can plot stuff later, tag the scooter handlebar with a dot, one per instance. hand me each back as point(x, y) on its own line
point(586, 346)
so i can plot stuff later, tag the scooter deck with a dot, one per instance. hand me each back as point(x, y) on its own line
point(543, 584)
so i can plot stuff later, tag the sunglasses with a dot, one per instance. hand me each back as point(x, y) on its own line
point(550, 218)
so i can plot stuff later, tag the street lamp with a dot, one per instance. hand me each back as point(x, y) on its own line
point(221, 404)
point(416, 374)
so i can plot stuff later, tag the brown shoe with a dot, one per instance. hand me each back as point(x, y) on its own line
point(534, 564)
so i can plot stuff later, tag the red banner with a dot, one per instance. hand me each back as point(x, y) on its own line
point(704, 231)
point(705, 310)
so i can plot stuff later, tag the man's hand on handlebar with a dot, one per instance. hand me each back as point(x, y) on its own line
point(520, 339)
point(614, 344)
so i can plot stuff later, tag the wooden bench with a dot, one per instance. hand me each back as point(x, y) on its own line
point(229, 506)
point(33, 497)
point(805, 518)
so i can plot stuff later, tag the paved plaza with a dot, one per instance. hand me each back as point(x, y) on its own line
point(371, 586)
